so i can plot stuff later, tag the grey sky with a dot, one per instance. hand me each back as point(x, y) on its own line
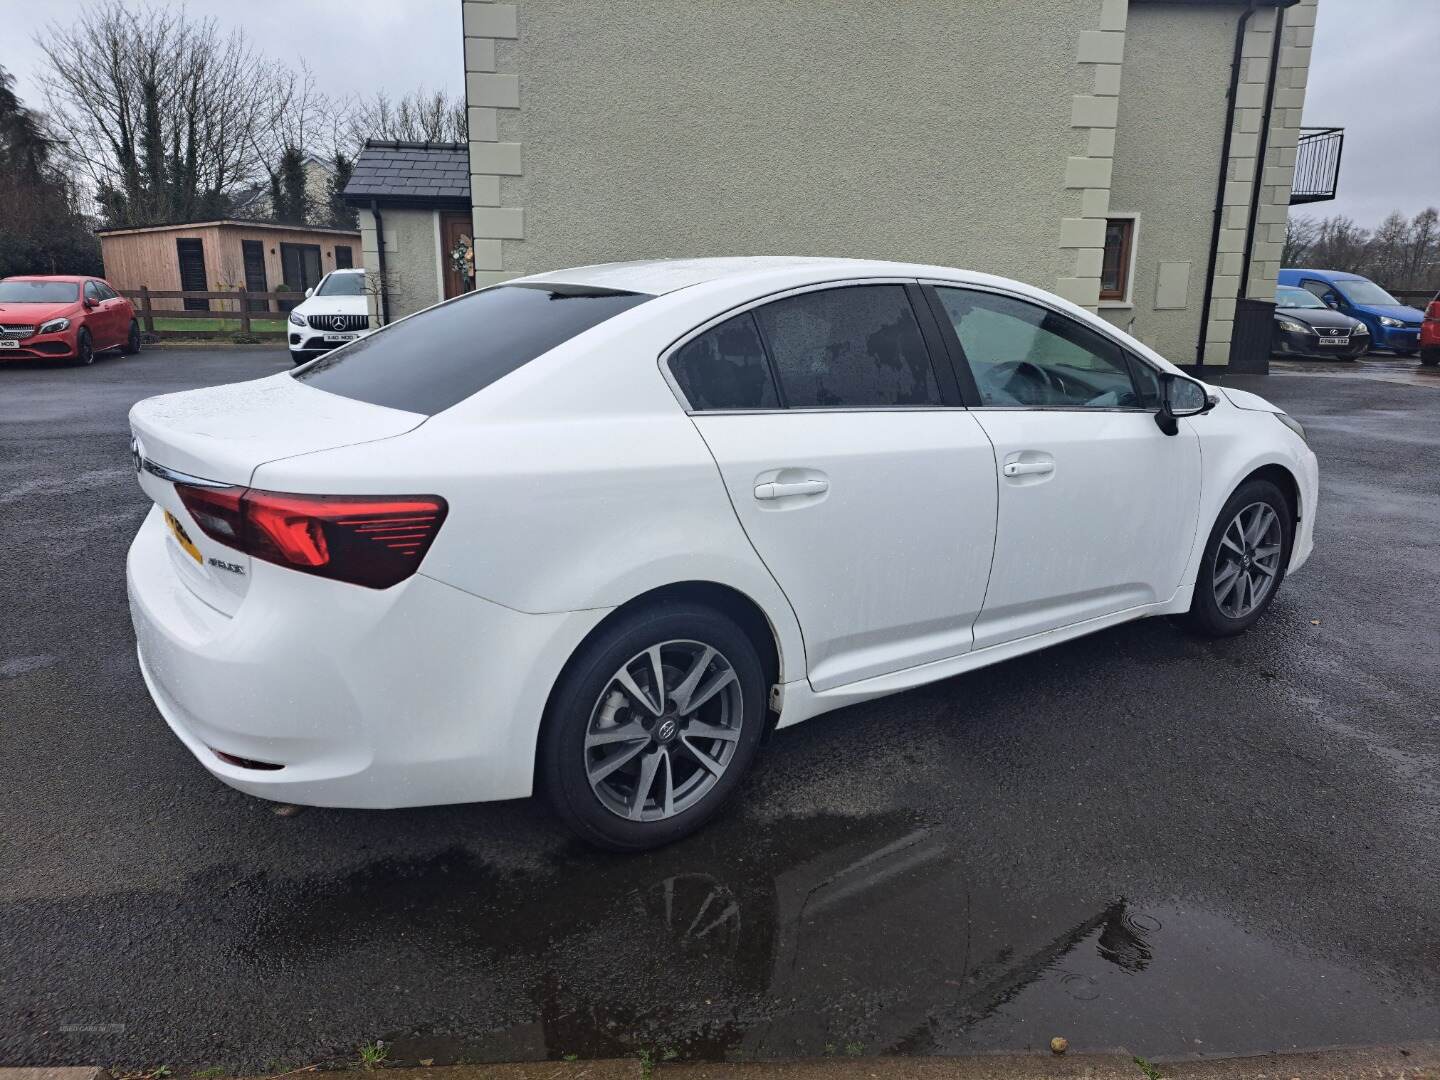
point(1373, 72)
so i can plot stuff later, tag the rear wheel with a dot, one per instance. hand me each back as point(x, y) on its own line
point(1244, 561)
point(1430, 357)
point(653, 726)
point(132, 341)
point(84, 349)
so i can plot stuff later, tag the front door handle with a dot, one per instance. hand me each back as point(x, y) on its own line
point(1028, 468)
point(778, 490)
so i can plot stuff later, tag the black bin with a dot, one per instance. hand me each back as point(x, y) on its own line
point(1250, 339)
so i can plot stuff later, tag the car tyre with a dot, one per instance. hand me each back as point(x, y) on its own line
point(84, 349)
point(132, 341)
point(1430, 357)
point(1227, 610)
point(681, 796)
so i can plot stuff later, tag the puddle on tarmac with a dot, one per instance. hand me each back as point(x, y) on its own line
point(822, 935)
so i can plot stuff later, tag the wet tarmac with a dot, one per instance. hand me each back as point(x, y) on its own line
point(1134, 840)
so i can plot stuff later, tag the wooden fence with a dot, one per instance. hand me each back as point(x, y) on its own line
point(247, 306)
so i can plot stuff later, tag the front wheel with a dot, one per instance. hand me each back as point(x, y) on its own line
point(84, 349)
point(1244, 561)
point(653, 725)
point(1430, 357)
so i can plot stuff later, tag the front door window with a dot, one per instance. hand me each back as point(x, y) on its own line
point(1026, 356)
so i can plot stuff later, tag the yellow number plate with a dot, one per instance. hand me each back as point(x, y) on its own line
point(181, 537)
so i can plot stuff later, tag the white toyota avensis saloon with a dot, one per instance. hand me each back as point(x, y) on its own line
point(596, 531)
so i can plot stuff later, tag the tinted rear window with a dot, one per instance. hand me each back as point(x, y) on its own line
point(856, 347)
point(440, 357)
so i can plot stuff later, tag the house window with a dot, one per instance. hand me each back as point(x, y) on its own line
point(344, 257)
point(1115, 266)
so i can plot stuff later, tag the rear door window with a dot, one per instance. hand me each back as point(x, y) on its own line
point(855, 347)
point(441, 356)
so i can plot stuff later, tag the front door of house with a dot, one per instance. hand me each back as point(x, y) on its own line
point(191, 254)
point(457, 253)
point(254, 258)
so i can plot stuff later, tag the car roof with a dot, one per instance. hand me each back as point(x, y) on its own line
point(1331, 275)
point(348, 270)
point(660, 276)
point(74, 279)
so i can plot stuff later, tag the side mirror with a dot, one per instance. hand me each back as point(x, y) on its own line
point(309, 293)
point(90, 304)
point(1180, 396)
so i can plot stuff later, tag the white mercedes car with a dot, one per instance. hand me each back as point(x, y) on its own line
point(597, 531)
point(333, 313)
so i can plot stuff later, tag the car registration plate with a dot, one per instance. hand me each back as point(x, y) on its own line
point(342, 337)
point(1334, 341)
point(9, 343)
point(182, 537)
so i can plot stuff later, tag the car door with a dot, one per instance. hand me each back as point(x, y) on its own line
point(117, 314)
point(1097, 506)
point(863, 484)
point(97, 318)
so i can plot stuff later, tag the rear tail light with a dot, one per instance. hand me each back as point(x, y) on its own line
point(1433, 310)
point(371, 540)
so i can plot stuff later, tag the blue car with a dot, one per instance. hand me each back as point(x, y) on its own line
point(1393, 325)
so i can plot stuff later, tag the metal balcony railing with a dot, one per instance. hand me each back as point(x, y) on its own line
point(1317, 164)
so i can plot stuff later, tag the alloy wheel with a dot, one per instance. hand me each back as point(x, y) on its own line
point(663, 731)
point(1247, 562)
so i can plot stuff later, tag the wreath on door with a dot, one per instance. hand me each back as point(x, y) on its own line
point(462, 261)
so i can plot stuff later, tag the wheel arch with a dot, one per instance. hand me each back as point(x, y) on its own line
point(1283, 479)
point(730, 601)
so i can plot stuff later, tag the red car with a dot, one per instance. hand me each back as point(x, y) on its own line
point(61, 317)
point(1430, 334)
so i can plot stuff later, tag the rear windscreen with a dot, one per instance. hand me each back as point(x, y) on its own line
point(439, 357)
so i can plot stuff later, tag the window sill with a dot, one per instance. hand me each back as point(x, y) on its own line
point(1116, 304)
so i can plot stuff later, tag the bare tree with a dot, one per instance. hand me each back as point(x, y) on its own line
point(164, 112)
point(1300, 236)
point(420, 116)
point(1421, 258)
point(1399, 254)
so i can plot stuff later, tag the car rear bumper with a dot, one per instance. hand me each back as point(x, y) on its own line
point(410, 696)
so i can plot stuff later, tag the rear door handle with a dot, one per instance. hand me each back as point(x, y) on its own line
point(1028, 468)
point(778, 490)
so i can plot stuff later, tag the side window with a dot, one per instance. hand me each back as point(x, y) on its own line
point(725, 368)
point(1024, 355)
point(854, 347)
point(106, 293)
point(1147, 382)
point(1320, 289)
point(91, 292)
